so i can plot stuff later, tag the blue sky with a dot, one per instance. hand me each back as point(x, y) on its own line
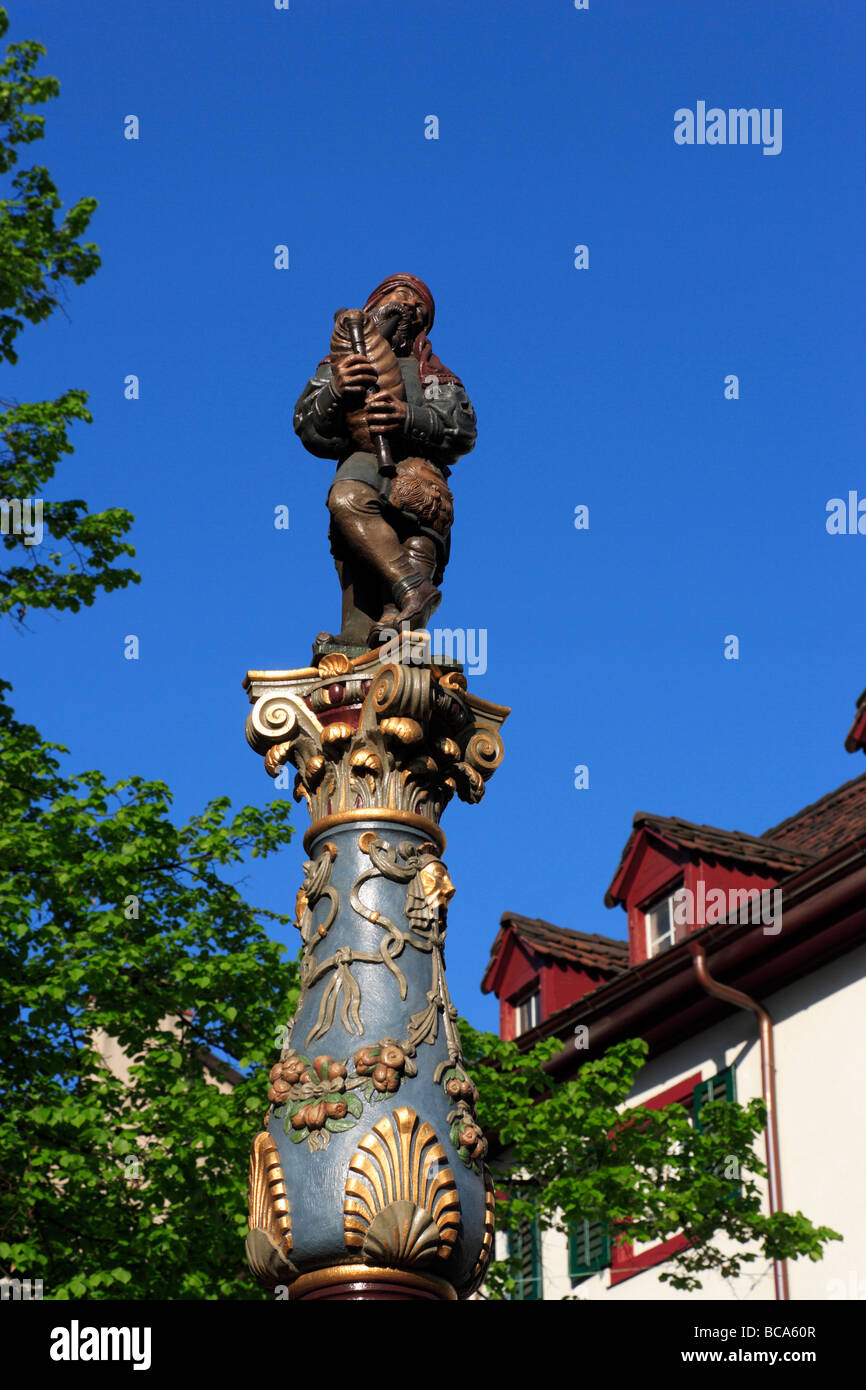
point(602, 387)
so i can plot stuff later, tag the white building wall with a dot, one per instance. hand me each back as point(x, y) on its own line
point(820, 1081)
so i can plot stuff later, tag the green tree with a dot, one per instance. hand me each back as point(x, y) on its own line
point(575, 1151)
point(40, 252)
point(122, 1173)
point(118, 925)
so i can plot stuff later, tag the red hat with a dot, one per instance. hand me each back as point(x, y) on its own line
point(404, 282)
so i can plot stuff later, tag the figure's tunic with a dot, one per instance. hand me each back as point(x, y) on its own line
point(440, 426)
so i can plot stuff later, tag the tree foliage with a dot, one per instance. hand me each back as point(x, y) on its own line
point(575, 1151)
point(135, 978)
point(120, 931)
point(37, 254)
point(40, 253)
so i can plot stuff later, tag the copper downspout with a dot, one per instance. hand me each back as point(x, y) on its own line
point(768, 1086)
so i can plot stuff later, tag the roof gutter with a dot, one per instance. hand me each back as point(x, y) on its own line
point(768, 1086)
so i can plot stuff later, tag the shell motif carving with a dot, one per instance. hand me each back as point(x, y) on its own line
point(401, 1206)
point(269, 1240)
point(334, 664)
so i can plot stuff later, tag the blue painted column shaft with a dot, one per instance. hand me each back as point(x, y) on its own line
point(370, 1171)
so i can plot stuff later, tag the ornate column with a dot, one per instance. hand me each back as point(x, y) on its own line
point(368, 1180)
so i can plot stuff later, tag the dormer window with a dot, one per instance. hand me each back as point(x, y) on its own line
point(661, 931)
point(527, 1013)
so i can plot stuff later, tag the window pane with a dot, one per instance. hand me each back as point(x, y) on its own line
point(661, 930)
point(527, 1013)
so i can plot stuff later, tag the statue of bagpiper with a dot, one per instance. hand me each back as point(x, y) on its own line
point(396, 420)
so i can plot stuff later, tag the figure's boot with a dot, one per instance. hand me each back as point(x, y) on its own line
point(416, 597)
point(421, 602)
point(422, 550)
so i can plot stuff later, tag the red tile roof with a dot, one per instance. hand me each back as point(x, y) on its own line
point(805, 838)
point(590, 950)
point(838, 819)
point(734, 846)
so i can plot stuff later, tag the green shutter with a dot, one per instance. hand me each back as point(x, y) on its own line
point(588, 1250)
point(524, 1244)
point(722, 1086)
